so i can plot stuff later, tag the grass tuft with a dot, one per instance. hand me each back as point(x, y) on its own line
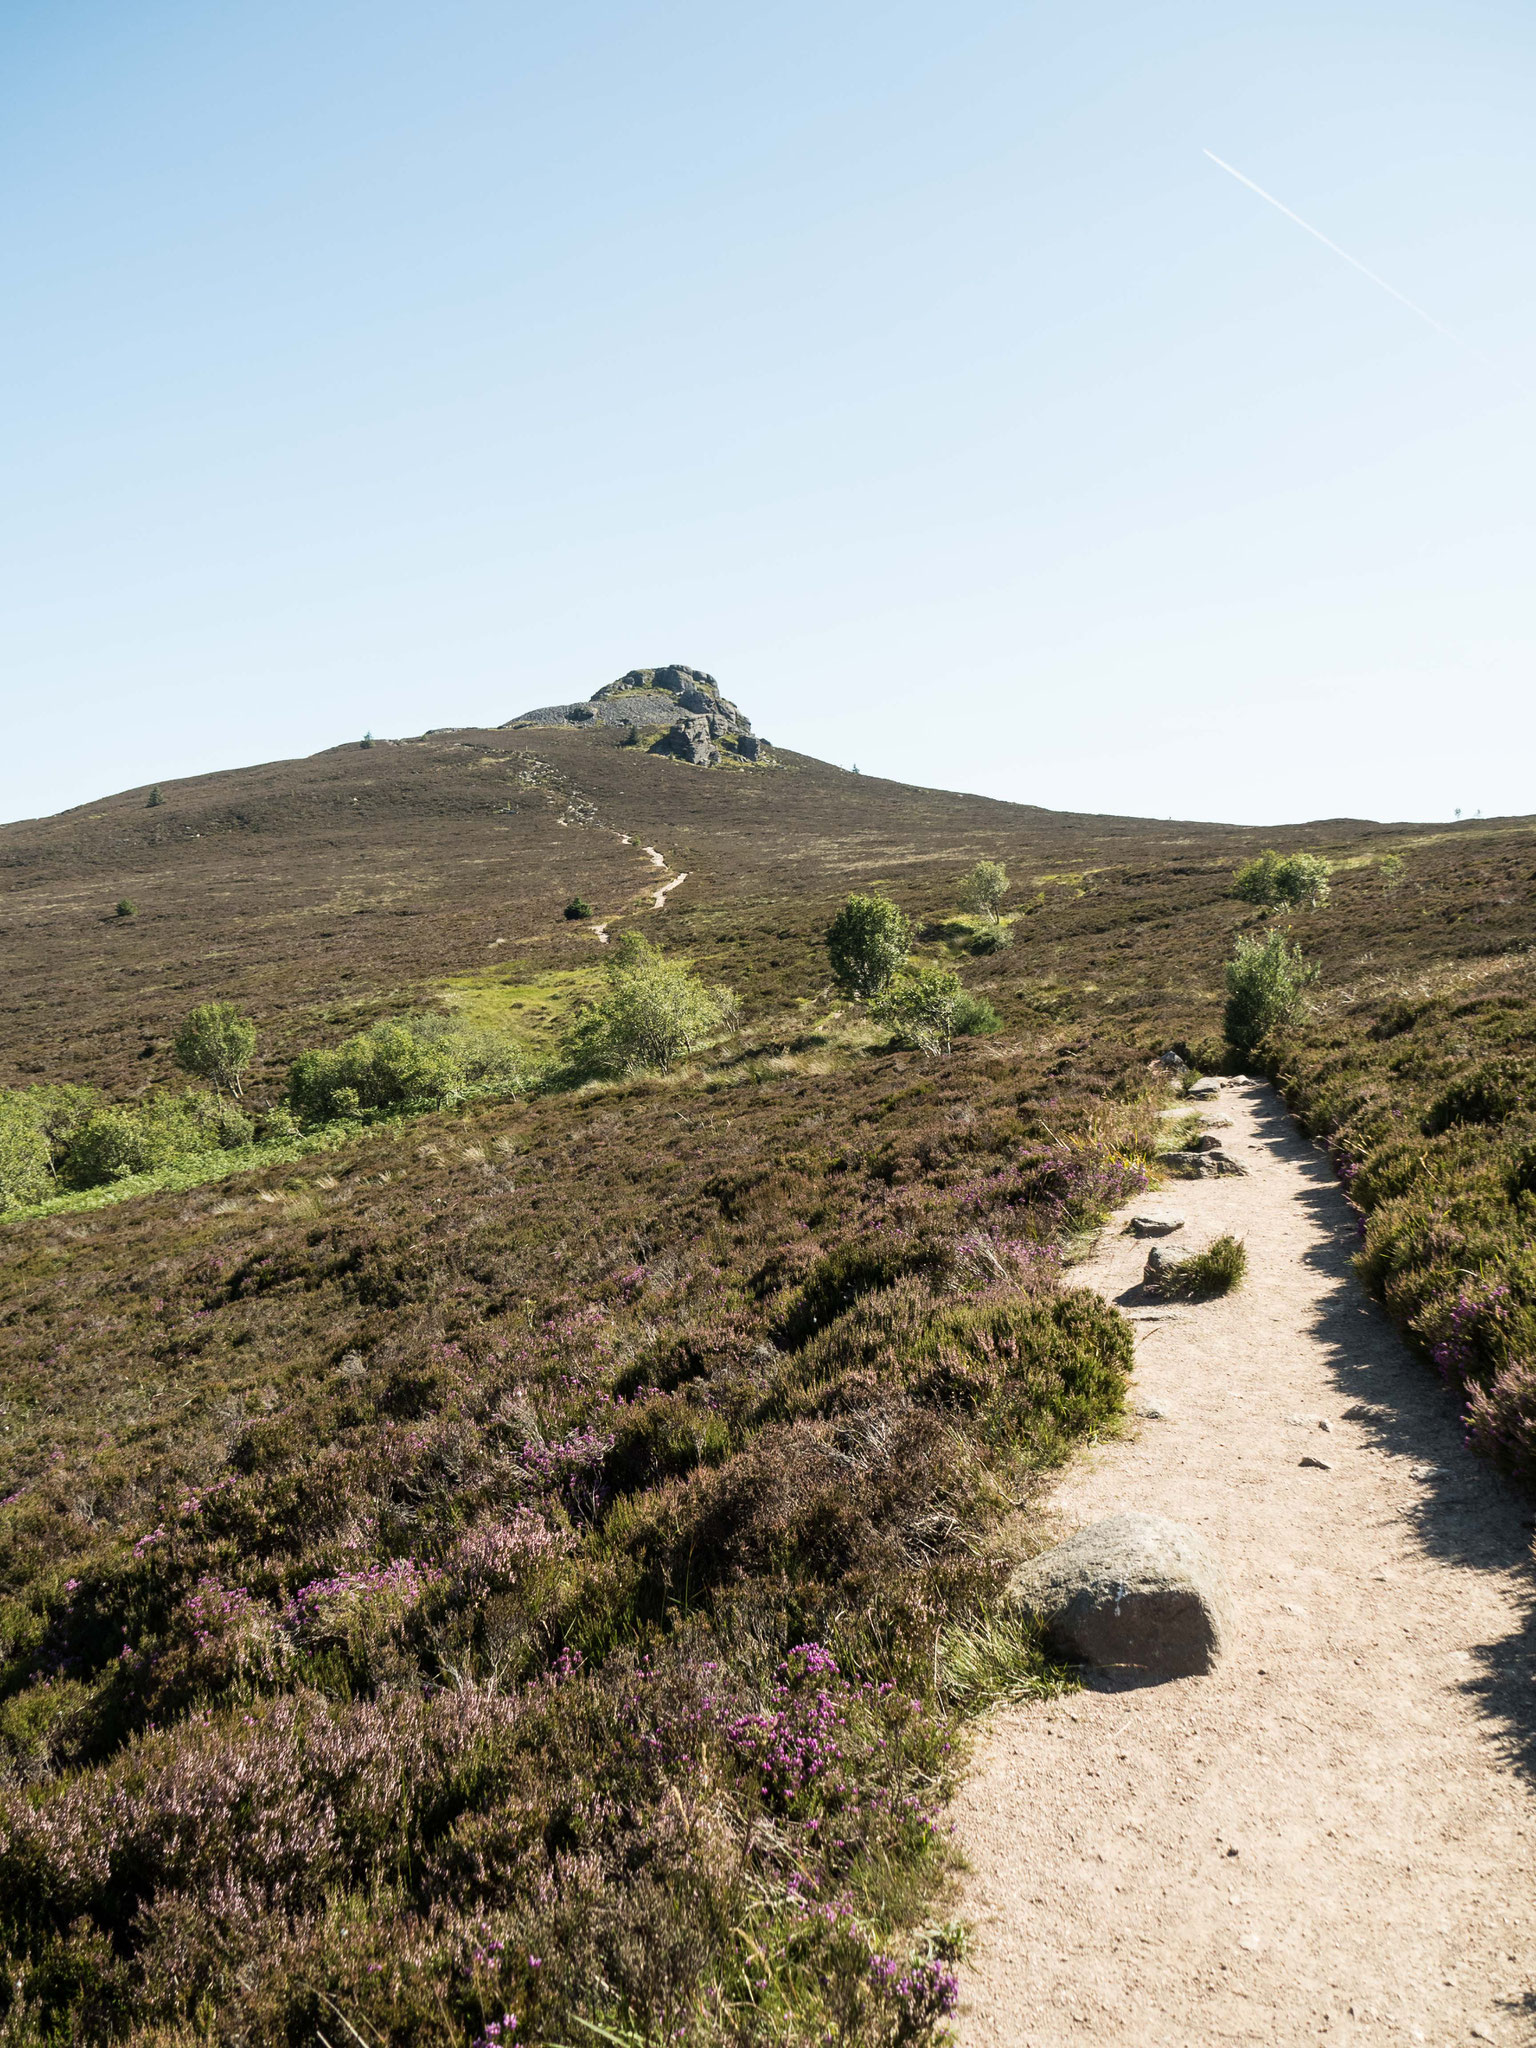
point(1216, 1270)
point(996, 1661)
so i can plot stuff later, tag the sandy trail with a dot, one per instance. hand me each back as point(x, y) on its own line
point(1366, 1748)
point(666, 889)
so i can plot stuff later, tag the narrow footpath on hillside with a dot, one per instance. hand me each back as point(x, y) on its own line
point(1332, 1837)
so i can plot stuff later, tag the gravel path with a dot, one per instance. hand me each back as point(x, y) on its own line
point(1366, 1749)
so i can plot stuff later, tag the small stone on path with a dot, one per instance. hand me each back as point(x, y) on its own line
point(1318, 1464)
point(1155, 1226)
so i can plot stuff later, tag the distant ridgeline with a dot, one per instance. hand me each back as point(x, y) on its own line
point(672, 710)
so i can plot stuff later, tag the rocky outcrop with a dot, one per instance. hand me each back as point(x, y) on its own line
point(692, 740)
point(649, 697)
point(1133, 1591)
point(690, 689)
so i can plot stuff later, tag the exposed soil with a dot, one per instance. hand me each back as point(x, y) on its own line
point(1365, 1749)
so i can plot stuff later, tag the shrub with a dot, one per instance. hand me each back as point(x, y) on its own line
point(113, 1143)
point(996, 938)
point(1267, 980)
point(126, 907)
point(867, 944)
point(154, 799)
point(1216, 1270)
point(921, 1006)
point(1490, 1094)
point(975, 1017)
point(216, 1043)
point(36, 1126)
point(654, 1012)
point(403, 1065)
point(983, 889)
point(26, 1170)
point(1292, 879)
point(578, 907)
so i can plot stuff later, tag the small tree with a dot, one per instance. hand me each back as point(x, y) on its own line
point(655, 1011)
point(1292, 879)
point(578, 908)
point(127, 907)
point(154, 798)
point(1267, 981)
point(922, 1006)
point(217, 1044)
point(983, 889)
point(867, 943)
point(1390, 868)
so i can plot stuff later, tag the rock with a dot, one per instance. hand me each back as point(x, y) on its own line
point(1205, 1089)
point(1361, 1411)
point(650, 697)
point(750, 747)
point(1322, 1424)
point(1154, 1226)
point(1197, 1165)
point(1428, 1471)
point(1173, 1062)
point(690, 740)
point(1318, 1464)
point(1206, 1142)
point(1132, 1590)
point(1201, 1165)
point(1159, 1262)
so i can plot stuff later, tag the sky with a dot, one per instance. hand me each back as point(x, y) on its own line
point(367, 366)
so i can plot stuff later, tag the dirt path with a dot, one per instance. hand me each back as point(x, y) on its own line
point(1366, 1749)
point(666, 889)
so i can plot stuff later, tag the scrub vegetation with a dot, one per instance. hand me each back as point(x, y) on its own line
point(506, 1550)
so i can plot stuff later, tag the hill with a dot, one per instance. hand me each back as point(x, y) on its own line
point(525, 1570)
point(325, 889)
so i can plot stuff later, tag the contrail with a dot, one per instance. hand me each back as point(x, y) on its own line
point(1353, 260)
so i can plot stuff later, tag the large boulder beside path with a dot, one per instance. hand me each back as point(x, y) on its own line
point(1134, 1592)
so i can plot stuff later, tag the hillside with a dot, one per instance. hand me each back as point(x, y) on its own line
point(323, 889)
point(527, 1569)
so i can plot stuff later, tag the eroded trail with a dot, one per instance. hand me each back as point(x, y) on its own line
point(1366, 1749)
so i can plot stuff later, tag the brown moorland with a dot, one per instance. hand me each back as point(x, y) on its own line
point(526, 1571)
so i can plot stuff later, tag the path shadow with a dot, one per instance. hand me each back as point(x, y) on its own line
point(1465, 1513)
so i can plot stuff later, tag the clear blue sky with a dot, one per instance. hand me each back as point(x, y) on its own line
point(905, 365)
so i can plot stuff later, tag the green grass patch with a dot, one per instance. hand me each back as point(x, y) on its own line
point(537, 1012)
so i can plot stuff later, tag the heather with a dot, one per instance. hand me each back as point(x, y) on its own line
point(1425, 1090)
point(548, 1574)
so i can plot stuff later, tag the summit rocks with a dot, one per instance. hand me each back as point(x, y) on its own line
point(681, 709)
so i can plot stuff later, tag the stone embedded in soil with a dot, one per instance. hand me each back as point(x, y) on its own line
point(1206, 1142)
point(1155, 1226)
point(1204, 1090)
point(1318, 1464)
point(1133, 1590)
point(1159, 1263)
point(1199, 1165)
